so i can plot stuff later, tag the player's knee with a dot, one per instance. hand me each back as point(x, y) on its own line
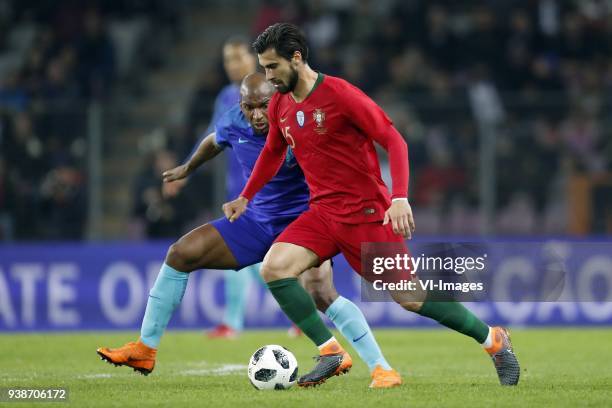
point(178, 257)
point(274, 269)
point(411, 306)
point(409, 300)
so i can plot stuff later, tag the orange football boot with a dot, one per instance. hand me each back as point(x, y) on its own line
point(382, 378)
point(332, 360)
point(505, 361)
point(137, 355)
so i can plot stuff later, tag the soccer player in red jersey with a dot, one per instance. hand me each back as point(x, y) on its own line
point(331, 126)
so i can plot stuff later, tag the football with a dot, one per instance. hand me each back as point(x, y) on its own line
point(272, 367)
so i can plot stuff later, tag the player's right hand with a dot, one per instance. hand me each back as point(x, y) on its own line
point(400, 216)
point(234, 209)
point(176, 173)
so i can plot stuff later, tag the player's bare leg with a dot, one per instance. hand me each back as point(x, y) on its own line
point(285, 260)
point(495, 341)
point(351, 322)
point(283, 263)
point(201, 248)
point(409, 300)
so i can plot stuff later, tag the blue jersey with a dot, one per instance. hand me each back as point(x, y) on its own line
point(226, 99)
point(286, 195)
point(234, 180)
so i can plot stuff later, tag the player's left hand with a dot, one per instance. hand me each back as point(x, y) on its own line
point(177, 173)
point(234, 209)
point(400, 215)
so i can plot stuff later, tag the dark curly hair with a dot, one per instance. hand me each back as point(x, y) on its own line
point(285, 38)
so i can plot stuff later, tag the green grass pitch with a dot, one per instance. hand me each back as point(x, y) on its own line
point(560, 367)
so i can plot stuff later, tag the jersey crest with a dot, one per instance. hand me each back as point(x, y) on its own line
point(300, 118)
point(319, 117)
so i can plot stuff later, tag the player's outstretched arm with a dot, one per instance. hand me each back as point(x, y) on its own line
point(269, 161)
point(205, 151)
point(400, 212)
point(374, 123)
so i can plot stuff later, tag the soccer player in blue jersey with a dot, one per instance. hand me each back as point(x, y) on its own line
point(222, 244)
point(238, 62)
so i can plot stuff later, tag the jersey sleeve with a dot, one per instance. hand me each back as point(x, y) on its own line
point(375, 124)
point(219, 109)
point(271, 157)
point(212, 127)
point(221, 129)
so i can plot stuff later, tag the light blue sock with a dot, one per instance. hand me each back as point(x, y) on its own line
point(165, 295)
point(236, 287)
point(254, 269)
point(352, 324)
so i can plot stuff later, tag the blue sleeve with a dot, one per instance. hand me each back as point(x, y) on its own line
point(222, 135)
point(217, 113)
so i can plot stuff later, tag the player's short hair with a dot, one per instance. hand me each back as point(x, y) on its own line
point(285, 38)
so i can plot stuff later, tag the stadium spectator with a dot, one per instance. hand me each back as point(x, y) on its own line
point(7, 203)
point(546, 62)
point(163, 217)
point(68, 61)
point(549, 62)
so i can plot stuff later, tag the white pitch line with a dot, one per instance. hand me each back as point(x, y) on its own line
point(225, 369)
point(15, 379)
point(95, 376)
point(222, 370)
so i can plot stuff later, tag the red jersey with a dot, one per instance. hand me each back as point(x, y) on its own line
point(331, 133)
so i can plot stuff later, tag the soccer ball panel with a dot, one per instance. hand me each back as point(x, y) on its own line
point(281, 358)
point(257, 355)
point(265, 374)
point(272, 367)
point(293, 376)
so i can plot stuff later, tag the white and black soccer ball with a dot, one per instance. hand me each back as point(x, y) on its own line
point(273, 367)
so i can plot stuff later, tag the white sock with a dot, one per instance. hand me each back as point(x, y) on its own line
point(489, 341)
point(333, 339)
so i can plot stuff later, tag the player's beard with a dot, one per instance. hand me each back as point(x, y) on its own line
point(293, 80)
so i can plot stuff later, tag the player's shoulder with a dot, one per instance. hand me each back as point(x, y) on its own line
point(336, 82)
point(340, 86)
point(228, 95)
point(232, 118)
point(228, 90)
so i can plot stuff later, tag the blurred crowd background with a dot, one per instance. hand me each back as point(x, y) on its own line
point(506, 108)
